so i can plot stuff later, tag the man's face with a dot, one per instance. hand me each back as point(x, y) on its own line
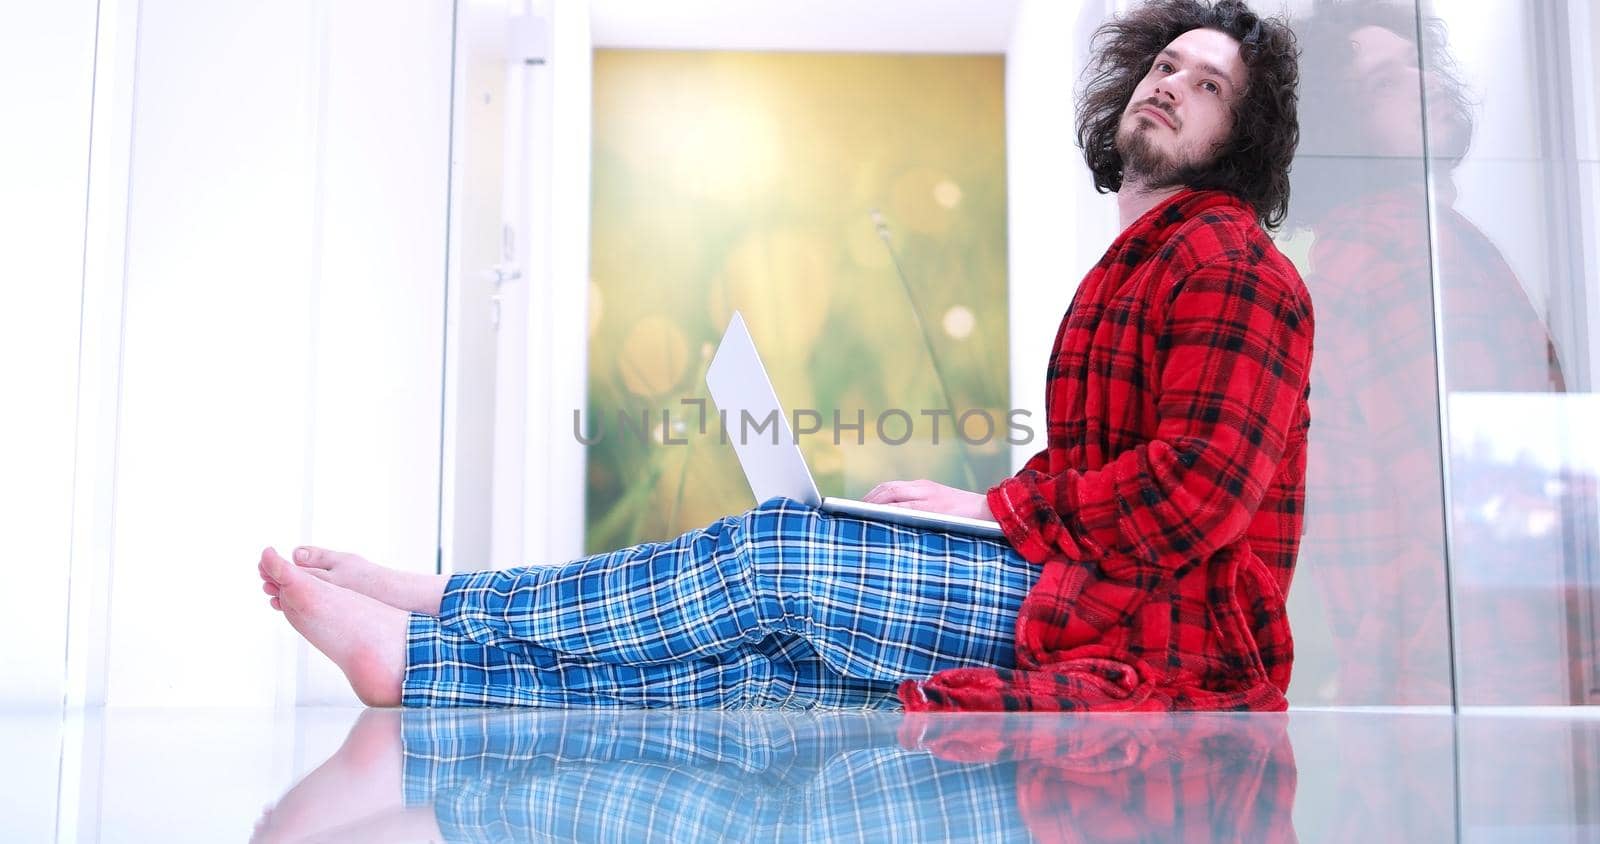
point(1181, 113)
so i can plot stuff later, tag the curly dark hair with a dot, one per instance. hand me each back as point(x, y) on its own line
point(1254, 162)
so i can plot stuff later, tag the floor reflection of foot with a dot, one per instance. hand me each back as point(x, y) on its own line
point(364, 637)
point(408, 591)
point(361, 780)
point(400, 826)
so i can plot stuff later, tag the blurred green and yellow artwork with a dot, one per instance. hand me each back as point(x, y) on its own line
point(728, 181)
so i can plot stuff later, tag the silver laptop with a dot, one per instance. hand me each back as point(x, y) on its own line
point(772, 463)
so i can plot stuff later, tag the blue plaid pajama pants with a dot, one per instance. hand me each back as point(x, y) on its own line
point(783, 606)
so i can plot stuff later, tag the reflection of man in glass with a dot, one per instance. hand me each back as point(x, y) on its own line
point(1147, 548)
point(1375, 516)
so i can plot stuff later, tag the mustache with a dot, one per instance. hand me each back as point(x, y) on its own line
point(1156, 103)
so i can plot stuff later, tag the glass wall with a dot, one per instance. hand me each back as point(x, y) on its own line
point(1443, 216)
point(1510, 121)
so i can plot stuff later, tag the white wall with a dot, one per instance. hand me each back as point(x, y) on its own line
point(217, 345)
point(378, 316)
point(46, 79)
point(1058, 226)
point(29, 799)
point(258, 265)
point(281, 332)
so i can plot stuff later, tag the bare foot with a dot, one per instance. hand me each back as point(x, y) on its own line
point(363, 636)
point(403, 590)
point(363, 779)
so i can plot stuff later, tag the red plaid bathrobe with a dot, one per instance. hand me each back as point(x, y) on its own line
point(1166, 507)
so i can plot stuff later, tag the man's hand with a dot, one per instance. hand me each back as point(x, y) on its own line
point(932, 497)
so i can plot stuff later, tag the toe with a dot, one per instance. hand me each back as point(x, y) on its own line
point(314, 557)
point(276, 568)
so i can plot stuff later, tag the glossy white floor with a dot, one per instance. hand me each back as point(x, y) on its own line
point(388, 775)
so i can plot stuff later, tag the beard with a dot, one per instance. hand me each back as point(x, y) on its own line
point(1148, 164)
point(1154, 168)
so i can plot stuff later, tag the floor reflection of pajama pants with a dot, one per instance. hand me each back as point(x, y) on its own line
point(783, 606)
point(697, 777)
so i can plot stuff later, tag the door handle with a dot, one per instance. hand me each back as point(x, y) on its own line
point(500, 275)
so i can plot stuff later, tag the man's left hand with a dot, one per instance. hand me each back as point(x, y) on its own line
point(932, 497)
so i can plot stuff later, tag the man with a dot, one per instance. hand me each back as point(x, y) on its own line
point(1148, 546)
